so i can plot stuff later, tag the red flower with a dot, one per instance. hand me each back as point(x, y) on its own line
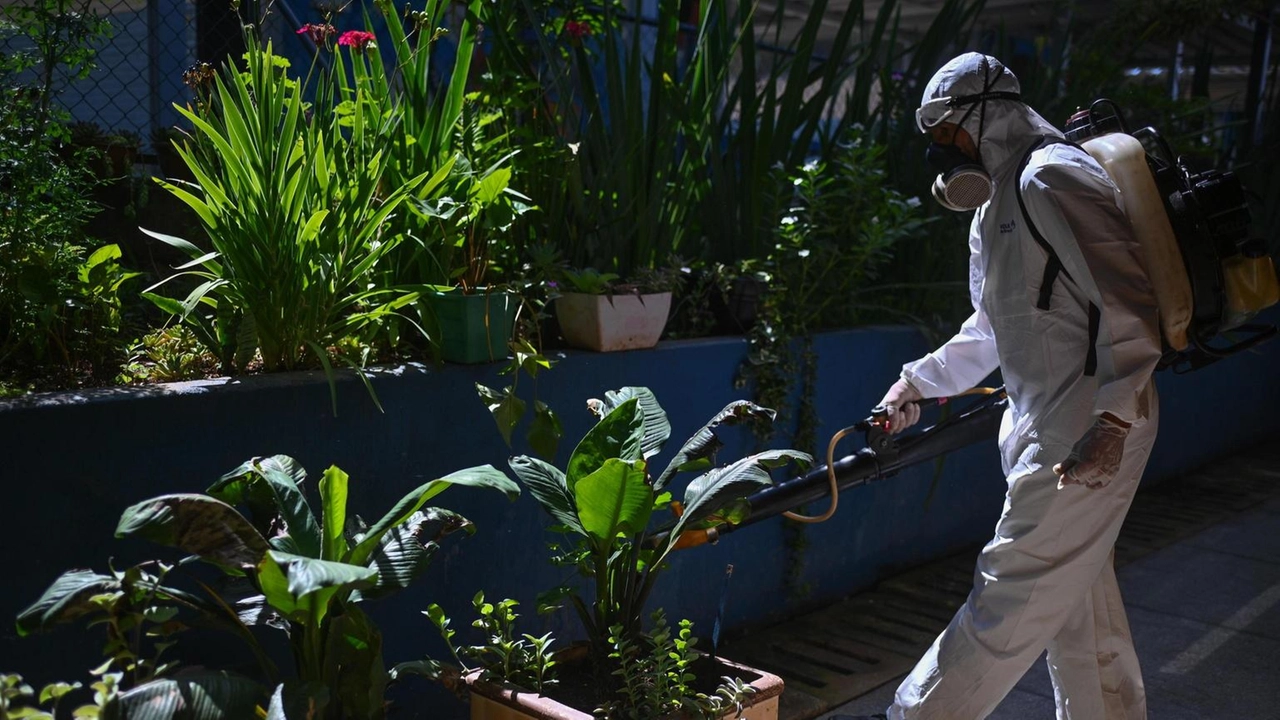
point(576, 29)
point(319, 34)
point(357, 40)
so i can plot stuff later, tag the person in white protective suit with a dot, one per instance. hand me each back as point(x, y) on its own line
point(1063, 307)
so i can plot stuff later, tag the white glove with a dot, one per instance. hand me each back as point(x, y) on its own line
point(901, 410)
point(1096, 457)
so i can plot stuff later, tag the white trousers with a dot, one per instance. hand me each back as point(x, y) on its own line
point(1044, 582)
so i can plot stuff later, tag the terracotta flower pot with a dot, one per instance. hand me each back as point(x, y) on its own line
point(501, 701)
point(607, 323)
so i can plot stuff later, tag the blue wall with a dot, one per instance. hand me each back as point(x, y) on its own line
point(73, 461)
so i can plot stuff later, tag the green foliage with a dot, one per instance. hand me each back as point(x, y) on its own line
point(525, 661)
point(604, 498)
point(447, 237)
point(19, 701)
point(142, 615)
point(656, 676)
point(61, 305)
point(52, 39)
point(293, 203)
point(778, 111)
point(468, 225)
point(508, 409)
point(841, 222)
point(303, 574)
point(168, 354)
point(590, 281)
point(61, 308)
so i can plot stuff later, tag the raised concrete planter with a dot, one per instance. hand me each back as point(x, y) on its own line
point(74, 460)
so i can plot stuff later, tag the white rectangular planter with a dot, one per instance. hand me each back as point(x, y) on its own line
point(607, 323)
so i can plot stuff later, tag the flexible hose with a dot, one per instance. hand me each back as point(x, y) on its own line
point(831, 464)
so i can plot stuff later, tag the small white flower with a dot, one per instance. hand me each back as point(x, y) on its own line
point(913, 202)
point(789, 220)
point(803, 253)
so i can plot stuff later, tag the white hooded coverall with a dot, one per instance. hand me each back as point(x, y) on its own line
point(1046, 580)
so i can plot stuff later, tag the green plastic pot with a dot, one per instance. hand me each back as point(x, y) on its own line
point(474, 328)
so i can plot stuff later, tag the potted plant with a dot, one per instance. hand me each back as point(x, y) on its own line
point(476, 319)
point(287, 569)
point(449, 239)
point(603, 502)
point(597, 314)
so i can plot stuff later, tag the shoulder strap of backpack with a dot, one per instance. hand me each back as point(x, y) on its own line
point(1053, 266)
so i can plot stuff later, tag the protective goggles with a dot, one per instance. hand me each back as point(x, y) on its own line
point(938, 110)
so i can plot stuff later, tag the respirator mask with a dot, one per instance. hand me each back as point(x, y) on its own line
point(962, 182)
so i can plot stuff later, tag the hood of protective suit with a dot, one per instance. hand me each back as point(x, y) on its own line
point(1002, 129)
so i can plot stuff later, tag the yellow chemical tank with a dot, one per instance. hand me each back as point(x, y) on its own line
point(1251, 286)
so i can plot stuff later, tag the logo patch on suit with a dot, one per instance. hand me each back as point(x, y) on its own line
point(1006, 228)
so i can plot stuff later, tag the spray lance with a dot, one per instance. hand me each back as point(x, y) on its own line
point(883, 456)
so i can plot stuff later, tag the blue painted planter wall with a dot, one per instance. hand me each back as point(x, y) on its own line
point(72, 462)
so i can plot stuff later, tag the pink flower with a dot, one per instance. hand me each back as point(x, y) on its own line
point(357, 40)
point(576, 29)
point(319, 34)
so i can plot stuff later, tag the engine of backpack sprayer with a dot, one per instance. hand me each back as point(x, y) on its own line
point(1210, 276)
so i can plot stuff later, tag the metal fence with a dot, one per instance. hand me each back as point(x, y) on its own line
point(139, 66)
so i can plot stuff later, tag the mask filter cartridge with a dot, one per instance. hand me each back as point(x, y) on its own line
point(962, 183)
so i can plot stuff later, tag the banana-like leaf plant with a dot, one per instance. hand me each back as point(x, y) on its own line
point(301, 573)
point(605, 497)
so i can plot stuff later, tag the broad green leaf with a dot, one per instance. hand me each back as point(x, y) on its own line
point(309, 583)
point(505, 407)
point(103, 254)
point(721, 486)
point(619, 434)
point(275, 589)
point(197, 524)
point(704, 443)
point(735, 512)
point(166, 304)
point(190, 695)
point(481, 476)
point(548, 486)
point(66, 599)
point(407, 549)
point(282, 474)
point(492, 186)
point(545, 431)
point(56, 690)
point(656, 426)
point(333, 503)
point(614, 499)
